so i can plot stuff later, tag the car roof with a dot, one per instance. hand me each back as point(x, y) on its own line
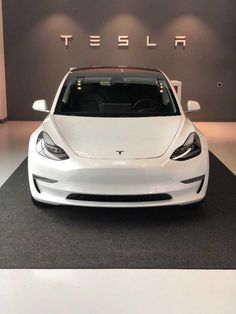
point(115, 71)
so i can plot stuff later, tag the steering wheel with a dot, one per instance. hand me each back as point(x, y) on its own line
point(144, 104)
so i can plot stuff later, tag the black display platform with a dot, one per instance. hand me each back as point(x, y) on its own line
point(75, 237)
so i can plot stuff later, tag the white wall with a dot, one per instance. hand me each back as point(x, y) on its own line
point(3, 102)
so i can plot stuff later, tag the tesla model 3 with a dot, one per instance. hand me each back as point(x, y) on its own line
point(117, 137)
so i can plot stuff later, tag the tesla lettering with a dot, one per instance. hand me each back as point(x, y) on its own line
point(123, 41)
point(180, 41)
point(149, 43)
point(95, 40)
point(66, 39)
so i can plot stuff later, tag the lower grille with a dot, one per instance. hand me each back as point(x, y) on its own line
point(119, 198)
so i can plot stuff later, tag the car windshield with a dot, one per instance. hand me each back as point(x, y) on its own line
point(116, 97)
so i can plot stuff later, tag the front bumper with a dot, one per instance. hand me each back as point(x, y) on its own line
point(117, 183)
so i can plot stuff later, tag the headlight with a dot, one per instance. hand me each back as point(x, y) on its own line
point(190, 148)
point(47, 148)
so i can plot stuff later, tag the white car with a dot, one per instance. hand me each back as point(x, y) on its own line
point(117, 137)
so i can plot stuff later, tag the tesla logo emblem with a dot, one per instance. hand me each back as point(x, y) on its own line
point(123, 41)
point(120, 152)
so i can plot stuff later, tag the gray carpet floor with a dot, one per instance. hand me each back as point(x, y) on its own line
point(75, 237)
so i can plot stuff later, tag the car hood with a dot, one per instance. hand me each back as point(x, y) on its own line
point(118, 138)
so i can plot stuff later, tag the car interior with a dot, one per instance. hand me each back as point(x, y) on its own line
point(116, 99)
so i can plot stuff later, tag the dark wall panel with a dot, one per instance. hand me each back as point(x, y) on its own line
point(36, 59)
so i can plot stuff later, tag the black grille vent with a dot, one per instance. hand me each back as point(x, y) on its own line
point(119, 198)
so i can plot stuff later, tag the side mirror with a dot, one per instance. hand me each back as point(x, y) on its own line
point(40, 105)
point(192, 106)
